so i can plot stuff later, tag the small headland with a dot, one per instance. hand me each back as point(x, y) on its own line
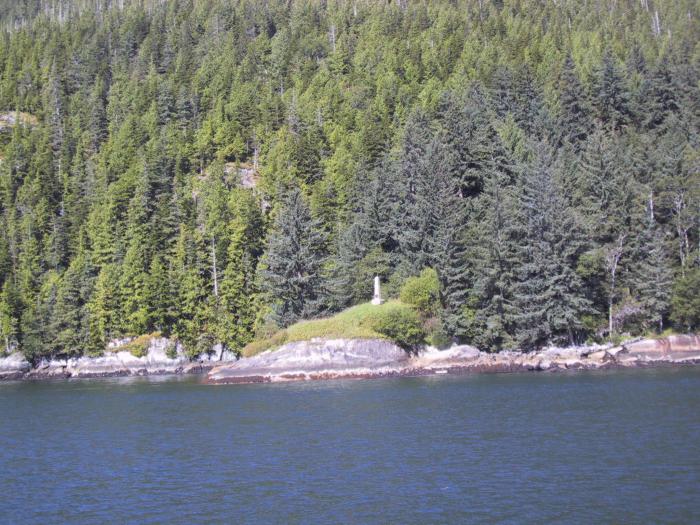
point(369, 358)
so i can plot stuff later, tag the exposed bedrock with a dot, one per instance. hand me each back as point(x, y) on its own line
point(366, 358)
point(157, 361)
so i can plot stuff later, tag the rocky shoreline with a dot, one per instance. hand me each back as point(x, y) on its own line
point(363, 359)
point(321, 359)
point(115, 363)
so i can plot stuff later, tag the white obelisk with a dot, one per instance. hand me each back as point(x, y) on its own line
point(377, 299)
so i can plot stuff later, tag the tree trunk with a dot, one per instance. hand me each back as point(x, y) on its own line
point(612, 260)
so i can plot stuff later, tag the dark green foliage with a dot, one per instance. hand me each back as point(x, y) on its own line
point(171, 350)
point(653, 278)
point(70, 316)
point(493, 257)
point(685, 302)
point(610, 95)
point(293, 264)
point(548, 299)
point(159, 145)
point(574, 114)
point(9, 312)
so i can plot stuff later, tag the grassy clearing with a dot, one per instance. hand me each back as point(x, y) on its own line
point(357, 322)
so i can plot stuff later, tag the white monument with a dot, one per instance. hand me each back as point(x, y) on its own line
point(377, 299)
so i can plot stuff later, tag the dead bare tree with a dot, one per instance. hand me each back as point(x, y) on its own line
point(612, 260)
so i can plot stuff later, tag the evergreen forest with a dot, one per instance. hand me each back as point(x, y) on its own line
point(214, 170)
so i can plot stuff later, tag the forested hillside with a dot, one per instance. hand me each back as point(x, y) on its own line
point(213, 169)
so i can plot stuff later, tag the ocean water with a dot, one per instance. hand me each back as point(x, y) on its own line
point(589, 447)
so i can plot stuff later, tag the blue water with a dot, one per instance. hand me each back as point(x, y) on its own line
point(605, 447)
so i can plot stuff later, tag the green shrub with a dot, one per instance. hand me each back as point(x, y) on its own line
point(139, 346)
point(203, 345)
point(435, 333)
point(401, 325)
point(440, 340)
point(171, 350)
point(423, 292)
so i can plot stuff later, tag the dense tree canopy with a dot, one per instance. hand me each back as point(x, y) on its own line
point(205, 169)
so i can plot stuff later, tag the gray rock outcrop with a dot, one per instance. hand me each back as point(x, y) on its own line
point(348, 358)
point(316, 359)
point(675, 348)
point(14, 366)
point(354, 358)
point(115, 363)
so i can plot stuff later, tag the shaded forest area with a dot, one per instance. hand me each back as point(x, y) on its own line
point(215, 170)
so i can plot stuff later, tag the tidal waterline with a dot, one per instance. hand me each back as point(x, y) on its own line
point(612, 447)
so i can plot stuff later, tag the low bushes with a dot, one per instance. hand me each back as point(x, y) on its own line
point(423, 292)
point(139, 346)
point(171, 350)
point(401, 325)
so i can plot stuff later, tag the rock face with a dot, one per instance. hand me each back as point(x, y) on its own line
point(113, 364)
point(670, 349)
point(348, 358)
point(247, 174)
point(355, 358)
point(11, 119)
point(316, 359)
point(14, 366)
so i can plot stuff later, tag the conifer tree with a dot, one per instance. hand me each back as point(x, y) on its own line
point(369, 245)
point(38, 321)
point(192, 310)
point(652, 275)
point(611, 96)
point(133, 289)
point(685, 303)
point(105, 307)
point(548, 296)
point(158, 298)
point(494, 256)
point(9, 316)
point(662, 94)
point(71, 315)
point(236, 311)
point(295, 256)
point(573, 121)
point(131, 123)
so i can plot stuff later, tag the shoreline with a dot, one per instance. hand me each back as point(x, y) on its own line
point(453, 372)
point(367, 359)
point(321, 359)
point(199, 369)
point(158, 360)
point(40, 374)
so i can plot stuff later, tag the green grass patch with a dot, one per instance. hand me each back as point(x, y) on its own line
point(666, 333)
point(364, 321)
